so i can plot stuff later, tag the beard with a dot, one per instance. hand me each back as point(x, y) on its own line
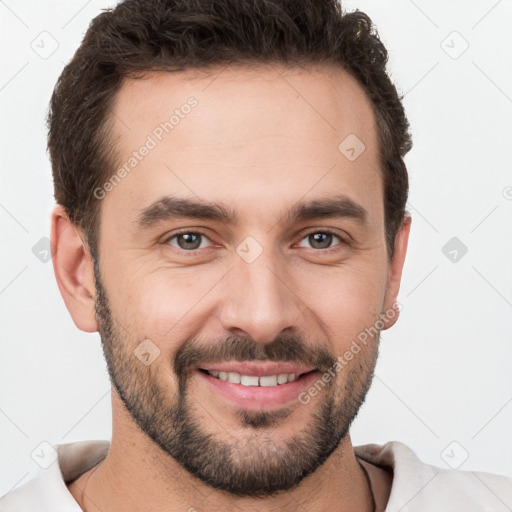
point(257, 465)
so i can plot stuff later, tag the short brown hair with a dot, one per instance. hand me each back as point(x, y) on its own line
point(172, 35)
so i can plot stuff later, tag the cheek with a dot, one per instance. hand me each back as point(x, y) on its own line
point(347, 299)
point(162, 305)
point(167, 305)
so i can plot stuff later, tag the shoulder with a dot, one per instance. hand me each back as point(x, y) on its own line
point(48, 491)
point(419, 486)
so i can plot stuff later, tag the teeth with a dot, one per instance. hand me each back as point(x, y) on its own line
point(234, 377)
point(270, 380)
point(282, 378)
point(249, 380)
point(253, 380)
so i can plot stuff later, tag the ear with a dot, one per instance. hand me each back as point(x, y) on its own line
point(391, 311)
point(73, 267)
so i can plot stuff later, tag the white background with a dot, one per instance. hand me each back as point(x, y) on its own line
point(445, 369)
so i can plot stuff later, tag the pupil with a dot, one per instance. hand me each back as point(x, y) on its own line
point(191, 241)
point(326, 242)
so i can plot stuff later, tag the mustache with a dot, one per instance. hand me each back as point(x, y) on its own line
point(193, 354)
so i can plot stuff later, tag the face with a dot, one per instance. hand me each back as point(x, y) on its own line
point(242, 254)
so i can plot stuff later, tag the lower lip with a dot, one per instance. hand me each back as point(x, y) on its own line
point(257, 398)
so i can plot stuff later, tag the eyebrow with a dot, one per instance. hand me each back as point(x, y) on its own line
point(170, 208)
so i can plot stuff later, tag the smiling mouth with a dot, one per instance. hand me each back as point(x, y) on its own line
point(255, 380)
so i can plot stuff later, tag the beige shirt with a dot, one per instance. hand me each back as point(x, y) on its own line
point(417, 487)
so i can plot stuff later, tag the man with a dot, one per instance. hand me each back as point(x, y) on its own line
point(231, 219)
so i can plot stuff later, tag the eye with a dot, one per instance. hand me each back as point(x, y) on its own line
point(188, 240)
point(322, 239)
point(192, 241)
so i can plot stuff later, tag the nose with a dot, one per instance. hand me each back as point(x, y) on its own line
point(259, 300)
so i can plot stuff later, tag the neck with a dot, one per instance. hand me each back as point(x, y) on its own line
point(130, 480)
point(137, 475)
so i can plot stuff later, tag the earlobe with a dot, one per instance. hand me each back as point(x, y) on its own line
point(73, 267)
point(391, 311)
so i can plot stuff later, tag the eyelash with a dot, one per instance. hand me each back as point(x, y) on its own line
point(197, 251)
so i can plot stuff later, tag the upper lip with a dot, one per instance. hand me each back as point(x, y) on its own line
point(259, 369)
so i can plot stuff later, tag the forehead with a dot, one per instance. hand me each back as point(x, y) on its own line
point(328, 99)
point(248, 134)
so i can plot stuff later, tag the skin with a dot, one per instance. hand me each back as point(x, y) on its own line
point(259, 141)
